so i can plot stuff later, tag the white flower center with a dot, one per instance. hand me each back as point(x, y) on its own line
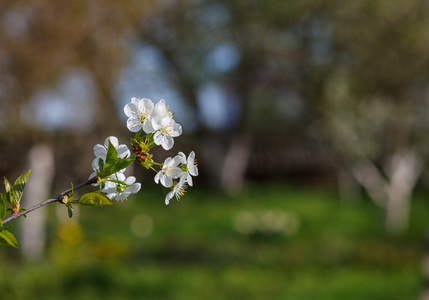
point(169, 172)
point(143, 116)
point(166, 130)
point(164, 111)
point(180, 191)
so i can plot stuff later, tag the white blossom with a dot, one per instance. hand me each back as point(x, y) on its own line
point(189, 167)
point(178, 191)
point(168, 172)
point(161, 109)
point(139, 113)
point(165, 129)
point(123, 189)
point(100, 151)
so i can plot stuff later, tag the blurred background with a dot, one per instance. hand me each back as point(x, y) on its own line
point(310, 124)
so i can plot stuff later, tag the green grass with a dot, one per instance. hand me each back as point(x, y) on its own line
point(270, 242)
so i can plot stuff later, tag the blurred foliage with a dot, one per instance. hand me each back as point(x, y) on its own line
point(350, 74)
point(307, 70)
point(194, 249)
point(282, 48)
point(41, 40)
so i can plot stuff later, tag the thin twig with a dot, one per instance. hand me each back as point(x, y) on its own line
point(57, 198)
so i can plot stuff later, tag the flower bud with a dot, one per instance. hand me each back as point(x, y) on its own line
point(15, 207)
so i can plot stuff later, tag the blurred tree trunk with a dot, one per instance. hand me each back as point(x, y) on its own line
point(393, 193)
point(33, 230)
point(235, 162)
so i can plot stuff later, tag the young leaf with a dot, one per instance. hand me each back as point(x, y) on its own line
point(7, 185)
point(22, 179)
point(6, 237)
point(2, 206)
point(7, 197)
point(123, 163)
point(69, 210)
point(111, 156)
point(100, 164)
point(94, 199)
point(19, 185)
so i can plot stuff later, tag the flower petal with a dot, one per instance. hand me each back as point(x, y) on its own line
point(168, 197)
point(175, 172)
point(181, 157)
point(156, 122)
point(160, 109)
point(157, 138)
point(130, 180)
point(100, 151)
point(111, 196)
point(146, 104)
point(166, 181)
point(130, 110)
point(177, 130)
point(113, 139)
point(123, 151)
point(94, 163)
point(147, 127)
point(158, 176)
point(134, 188)
point(193, 170)
point(134, 124)
point(189, 180)
point(167, 142)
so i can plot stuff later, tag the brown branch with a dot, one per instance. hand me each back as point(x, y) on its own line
point(56, 198)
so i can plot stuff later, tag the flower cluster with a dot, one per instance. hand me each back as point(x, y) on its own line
point(153, 126)
point(159, 128)
point(116, 186)
point(178, 168)
point(152, 118)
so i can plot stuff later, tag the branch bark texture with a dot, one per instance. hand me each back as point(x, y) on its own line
point(56, 198)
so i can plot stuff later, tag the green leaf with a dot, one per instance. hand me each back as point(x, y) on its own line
point(94, 199)
point(100, 164)
point(2, 207)
point(8, 197)
point(19, 185)
point(22, 179)
point(69, 210)
point(7, 185)
point(106, 173)
point(111, 156)
point(6, 237)
point(123, 163)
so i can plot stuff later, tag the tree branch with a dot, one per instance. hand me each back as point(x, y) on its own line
point(56, 198)
point(372, 180)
